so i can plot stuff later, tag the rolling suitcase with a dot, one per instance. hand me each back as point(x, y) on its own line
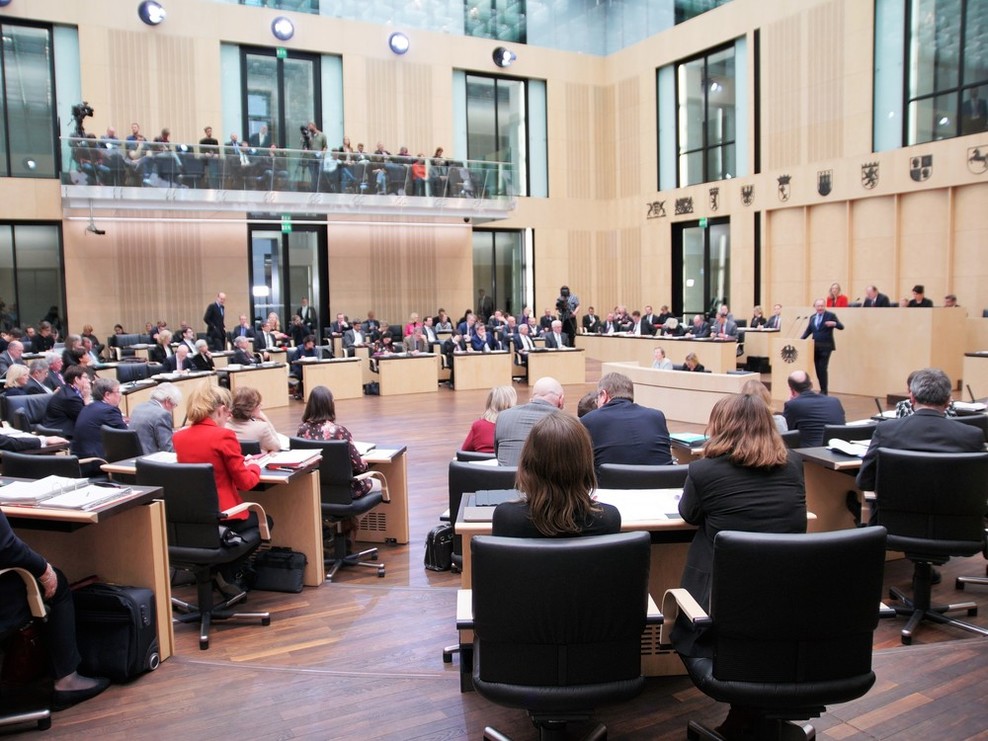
point(117, 631)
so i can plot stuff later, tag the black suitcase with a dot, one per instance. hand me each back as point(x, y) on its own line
point(439, 548)
point(117, 631)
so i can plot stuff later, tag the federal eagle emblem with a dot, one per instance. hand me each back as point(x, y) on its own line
point(789, 354)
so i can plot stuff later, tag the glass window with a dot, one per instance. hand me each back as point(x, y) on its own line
point(31, 275)
point(946, 69)
point(497, 133)
point(27, 131)
point(702, 259)
point(286, 267)
point(499, 268)
point(707, 117)
point(280, 93)
point(504, 20)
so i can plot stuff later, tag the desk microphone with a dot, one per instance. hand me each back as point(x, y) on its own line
point(970, 393)
point(792, 326)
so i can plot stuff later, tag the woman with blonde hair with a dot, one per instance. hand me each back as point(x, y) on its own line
point(556, 476)
point(15, 380)
point(249, 422)
point(754, 387)
point(481, 435)
point(835, 297)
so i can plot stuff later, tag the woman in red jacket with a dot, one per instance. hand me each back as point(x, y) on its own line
point(835, 297)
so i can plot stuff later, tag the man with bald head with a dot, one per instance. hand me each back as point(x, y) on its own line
point(513, 425)
point(11, 356)
point(808, 411)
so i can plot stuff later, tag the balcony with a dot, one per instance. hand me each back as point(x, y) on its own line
point(103, 175)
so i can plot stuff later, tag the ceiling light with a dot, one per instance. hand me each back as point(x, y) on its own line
point(151, 12)
point(282, 28)
point(504, 57)
point(398, 42)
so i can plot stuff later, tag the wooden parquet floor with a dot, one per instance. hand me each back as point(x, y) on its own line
point(361, 658)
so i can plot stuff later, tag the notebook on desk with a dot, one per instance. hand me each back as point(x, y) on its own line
point(479, 507)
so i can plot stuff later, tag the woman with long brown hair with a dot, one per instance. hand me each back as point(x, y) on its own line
point(556, 475)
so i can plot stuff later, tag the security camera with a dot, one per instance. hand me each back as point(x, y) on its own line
point(98, 232)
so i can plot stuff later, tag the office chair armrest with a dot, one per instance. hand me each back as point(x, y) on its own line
point(262, 519)
point(385, 494)
point(46, 431)
point(870, 496)
point(35, 599)
point(464, 609)
point(653, 616)
point(94, 459)
point(675, 601)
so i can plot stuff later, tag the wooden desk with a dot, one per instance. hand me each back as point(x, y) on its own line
point(680, 395)
point(975, 373)
point(566, 366)
point(124, 542)
point(640, 510)
point(139, 392)
point(829, 476)
point(221, 359)
point(717, 356)
point(344, 376)
point(270, 380)
point(481, 370)
point(389, 522)
point(756, 341)
point(292, 500)
point(408, 374)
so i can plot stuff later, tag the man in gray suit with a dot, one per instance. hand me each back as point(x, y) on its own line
point(152, 420)
point(513, 425)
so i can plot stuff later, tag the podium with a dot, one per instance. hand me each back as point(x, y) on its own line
point(789, 354)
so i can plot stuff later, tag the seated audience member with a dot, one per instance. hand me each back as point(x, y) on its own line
point(622, 431)
point(724, 327)
point(55, 380)
point(44, 340)
point(354, 337)
point(590, 322)
point(206, 440)
point(242, 354)
point(950, 301)
point(161, 350)
point(556, 477)
point(875, 299)
point(413, 324)
point(754, 387)
point(66, 403)
point(808, 411)
point(319, 423)
point(11, 356)
point(179, 362)
point(249, 422)
point(699, 328)
point(87, 331)
point(586, 404)
point(555, 338)
point(153, 421)
point(58, 629)
point(87, 439)
point(203, 359)
point(904, 408)
point(834, 296)
point(919, 299)
point(243, 329)
point(927, 429)
point(757, 318)
point(692, 363)
point(481, 435)
point(38, 374)
point(15, 382)
point(442, 321)
point(660, 361)
point(512, 425)
point(775, 321)
point(747, 480)
point(639, 326)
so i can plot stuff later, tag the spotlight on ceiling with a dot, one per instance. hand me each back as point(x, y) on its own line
point(282, 28)
point(151, 12)
point(504, 57)
point(398, 42)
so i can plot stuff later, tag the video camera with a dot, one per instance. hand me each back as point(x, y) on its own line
point(80, 112)
point(306, 136)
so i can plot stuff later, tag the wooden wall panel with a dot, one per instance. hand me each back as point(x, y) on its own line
point(874, 257)
point(924, 233)
point(782, 83)
point(824, 91)
point(970, 268)
point(398, 106)
point(827, 248)
point(785, 243)
point(624, 155)
point(604, 156)
point(580, 162)
point(607, 287)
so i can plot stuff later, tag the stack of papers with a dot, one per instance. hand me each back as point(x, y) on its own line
point(290, 459)
point(59, 491)
point(848, 448)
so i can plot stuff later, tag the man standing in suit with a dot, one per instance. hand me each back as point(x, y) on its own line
point(775, 321)
point(307, 314)
point(215, 329)
point(513, 425)
point(66, 403)
point(591, 322)
point(262, 139)
point(808, 411)
point(822, 325)
point(555, 339)
point(874, 298)
point(152, 420)
point(622, 431)
point(927, 429)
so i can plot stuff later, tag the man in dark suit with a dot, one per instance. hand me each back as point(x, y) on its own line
point(482, 341)
point(919, 299)
point(699, 328)
point(11, 356)
point(808, 411)
point(775, 321)
point(339, 325)
point(261, 139)
point(640, 327)
point(609, 326)
point(202, 360)
point(874, 298)
point(87, 437)
point(555, 338)
point(54, 380)
point(622, 431)
point(591, 322)
point(36, 381)
point(215, 329)
point(66, 403)
point(822, 325)
point(243, 329)
point(307, 315)
point(241, 352)
point(179, 361)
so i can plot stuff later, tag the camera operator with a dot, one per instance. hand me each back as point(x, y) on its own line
point(566, 306)
point(317, 144)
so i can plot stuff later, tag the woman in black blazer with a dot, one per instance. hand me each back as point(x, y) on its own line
point(556, 475)
point(159, 352)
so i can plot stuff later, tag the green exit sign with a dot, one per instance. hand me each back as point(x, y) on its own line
point(703, 223)
point(281, 52)
point(286, 224)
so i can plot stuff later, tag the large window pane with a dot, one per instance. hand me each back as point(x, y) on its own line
point(281, 93)
point(720, 97)
point(691, 103)
point(933, 118)
point(300, 97)
point(497, 132)
point(499, 268)
point(28, 92)
point(31, 275)
point(266, 274)
point(707, 117)
point(263, 101)
point(935, 45)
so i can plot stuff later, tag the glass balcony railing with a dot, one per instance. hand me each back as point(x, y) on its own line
point(116, 163)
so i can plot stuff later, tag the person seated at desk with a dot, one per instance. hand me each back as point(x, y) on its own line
point(66, 403)
point(904, 408)
point(55, 379)
point(556, 476)
point(443, 322)
point(758, 319)
point(250, 423)
point(161, 350)
point(622, 431)
point(692, 363)
point(482, 341)
point(746, 480)
point(724, 327)
point(319, 423)
point(660, 361)
point(699, 328)
point(37, 375)
point(87, 439)
point(835, 298)
point(555, 339)
point(353, 338)
point(206, 440)
point(58, 628)
point(808, 411)
point(203, 359)
point(481, 435)
point(15, 382)
point(241, 352)
point(639, 326)
point(297, 330)
point(153, 420)
point(919, 298)
point(179, 362)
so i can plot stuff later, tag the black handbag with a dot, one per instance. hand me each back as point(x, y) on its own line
point(279, 570)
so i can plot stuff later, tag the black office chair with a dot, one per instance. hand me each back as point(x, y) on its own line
point(119, 445)
point(129, 372)
point(933, 505)
point(198, 541)
point(472, 455)
point(627, 476)
point(466, 477)
point(849, 433)
point(558, 624)
point(42, 716)
point(792, 438)
point(961, 581)
point(250, 447)
point(335, 476)
point(37, 466)
point(975, 420)
point(772, 652)
point(26, 412)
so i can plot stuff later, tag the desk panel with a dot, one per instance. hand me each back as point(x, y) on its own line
point(343, 376)
point(389, 522)
point(717, 356)
point(566, 366)
point(408, 374)
point(481, 370)
point(271, 382)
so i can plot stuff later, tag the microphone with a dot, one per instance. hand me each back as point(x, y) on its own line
point(792, 326)
point(970, 393)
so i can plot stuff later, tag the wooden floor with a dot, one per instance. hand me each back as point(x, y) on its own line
point(361, 658)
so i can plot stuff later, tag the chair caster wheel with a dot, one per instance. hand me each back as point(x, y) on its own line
point(203, 645)
point(447, 658)
point(266, 621)
point(380, 573)
point(907, 640)
point(972, 612)
point(958, 584)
